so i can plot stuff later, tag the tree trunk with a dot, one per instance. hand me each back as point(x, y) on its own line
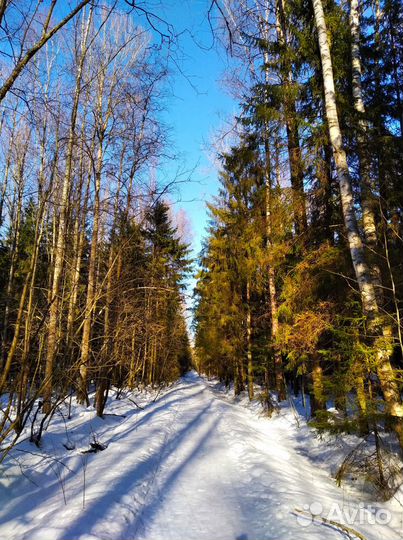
point(104, 369)
point(78, 242)
point(368, 200)
point(317, 399)
point(272, 293)
point(249, 341)
point(61, 233)
point(278, 360)
point(90, 299)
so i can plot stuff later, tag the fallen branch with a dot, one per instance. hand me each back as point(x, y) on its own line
point(350, 533)
point(137, 405)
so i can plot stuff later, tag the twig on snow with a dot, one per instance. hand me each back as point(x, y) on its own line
point(349, 532)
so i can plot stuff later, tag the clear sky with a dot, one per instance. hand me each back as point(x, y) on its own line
point(197, 109)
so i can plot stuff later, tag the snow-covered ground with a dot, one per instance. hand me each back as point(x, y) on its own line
point(192, 465)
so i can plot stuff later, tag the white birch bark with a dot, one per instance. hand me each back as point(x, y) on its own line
point(367, 198)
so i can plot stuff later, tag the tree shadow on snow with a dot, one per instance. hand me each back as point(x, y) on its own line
point(97, 510)
point(45, 485)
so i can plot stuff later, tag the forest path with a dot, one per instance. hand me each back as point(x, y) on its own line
point(191, 466)
point(223, 476)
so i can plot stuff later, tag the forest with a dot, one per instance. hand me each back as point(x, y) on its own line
point(301, 282)
point(92, 264)
point(298, 288)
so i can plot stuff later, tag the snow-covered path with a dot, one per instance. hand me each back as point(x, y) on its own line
point(190, 466)
point(221, 477)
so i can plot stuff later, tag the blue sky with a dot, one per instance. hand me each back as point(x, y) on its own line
point(197, 108)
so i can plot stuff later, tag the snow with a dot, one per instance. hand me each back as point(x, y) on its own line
point(194, 464)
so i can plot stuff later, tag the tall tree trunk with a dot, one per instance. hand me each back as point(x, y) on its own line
point(43, 198)
point(91, 289)
point(104, 370)
point(272, 293)
point(379, 121)
point(249, 340)
point(61, 231)
point(78, 241)
point(278, 361)
point(29, 316)
point(368, 200)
